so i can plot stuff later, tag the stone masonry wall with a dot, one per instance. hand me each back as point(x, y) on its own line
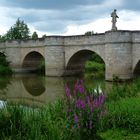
point(120, 51)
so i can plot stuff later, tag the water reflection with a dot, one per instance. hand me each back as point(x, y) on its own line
point(35, 85)
point(4, 82)
point(34, 90)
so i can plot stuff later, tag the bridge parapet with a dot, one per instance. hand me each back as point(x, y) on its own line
point(84, 40)
point(54, 40)
point(22, 43)
point(136, 36)
point(119, 36)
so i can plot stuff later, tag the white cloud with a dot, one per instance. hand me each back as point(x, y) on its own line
point(99, 22)
point(128, 20)
point(100, 26)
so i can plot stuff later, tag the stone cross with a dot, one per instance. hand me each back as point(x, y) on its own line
point(114, 20)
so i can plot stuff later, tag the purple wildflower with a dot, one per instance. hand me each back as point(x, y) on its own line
point(75, 119)
point(96, 105)
point(88, 101)
point(99, 101)
point(67, 91)
point(80, 103)
point(79, 87)
point(102, 99)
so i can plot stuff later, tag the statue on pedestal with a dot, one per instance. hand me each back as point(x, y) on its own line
point(114, 20)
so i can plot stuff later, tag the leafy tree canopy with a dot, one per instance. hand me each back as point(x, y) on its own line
point(44, 36)
point(34, 35)
point(88, 33)
point(19, 30)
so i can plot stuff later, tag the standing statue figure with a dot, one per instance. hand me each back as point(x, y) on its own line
point(114, 20)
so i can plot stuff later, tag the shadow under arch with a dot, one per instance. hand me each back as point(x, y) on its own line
point(137, 69)
point(34, 62)
point(76, 63)
point(34, 85)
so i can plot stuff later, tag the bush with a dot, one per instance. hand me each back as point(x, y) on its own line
point(4, 65)
point(94, 69)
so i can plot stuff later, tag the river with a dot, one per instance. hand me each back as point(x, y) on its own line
point(35, 90)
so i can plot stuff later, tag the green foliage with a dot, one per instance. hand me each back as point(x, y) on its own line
point(123, 108)
point(34, 35)
point(41, 68)
point(94, 67)
point(124, 90)
point(119, 134)
point(19, 30)
point(44, 36)
point(95, 57)
point(89, 33)
point(3, 60)
point(2, 38)
point(123, 114)
point(116, 78)
point(21, 122)
point(4, 65)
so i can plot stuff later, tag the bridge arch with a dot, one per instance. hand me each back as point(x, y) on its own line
point(33, 61)
point(136, 71)
point(76, 62)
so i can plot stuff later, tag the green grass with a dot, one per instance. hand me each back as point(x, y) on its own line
point(124, 114)
point(122, 90)
point(49, 122)
point(119, 134)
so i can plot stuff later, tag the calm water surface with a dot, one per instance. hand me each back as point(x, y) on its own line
point(34, 90)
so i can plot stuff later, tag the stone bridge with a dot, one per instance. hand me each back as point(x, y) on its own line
point(66, 55)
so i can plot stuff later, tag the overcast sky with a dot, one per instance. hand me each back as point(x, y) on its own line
point(69, 17)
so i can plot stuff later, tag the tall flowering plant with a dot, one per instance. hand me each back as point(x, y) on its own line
point(84, 110)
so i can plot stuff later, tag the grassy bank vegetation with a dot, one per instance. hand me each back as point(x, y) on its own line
point(122, 121)
point(94, 67)
point(51, 122)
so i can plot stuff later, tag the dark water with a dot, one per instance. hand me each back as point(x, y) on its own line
point(36, 90)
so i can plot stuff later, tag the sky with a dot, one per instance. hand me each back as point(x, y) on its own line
point(69, 17)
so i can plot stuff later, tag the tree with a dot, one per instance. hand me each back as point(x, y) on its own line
point(1, 38)
point(4, 65)
point(44, 36)
point(19, 30)
point(34, 35)
point(89, 33)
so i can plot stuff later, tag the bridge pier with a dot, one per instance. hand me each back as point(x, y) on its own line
point(54, 61)
point(118, 55)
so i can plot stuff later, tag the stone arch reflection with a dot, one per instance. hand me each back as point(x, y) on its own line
point(34, 85)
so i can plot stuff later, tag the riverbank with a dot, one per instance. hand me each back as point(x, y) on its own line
point(50, 121)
